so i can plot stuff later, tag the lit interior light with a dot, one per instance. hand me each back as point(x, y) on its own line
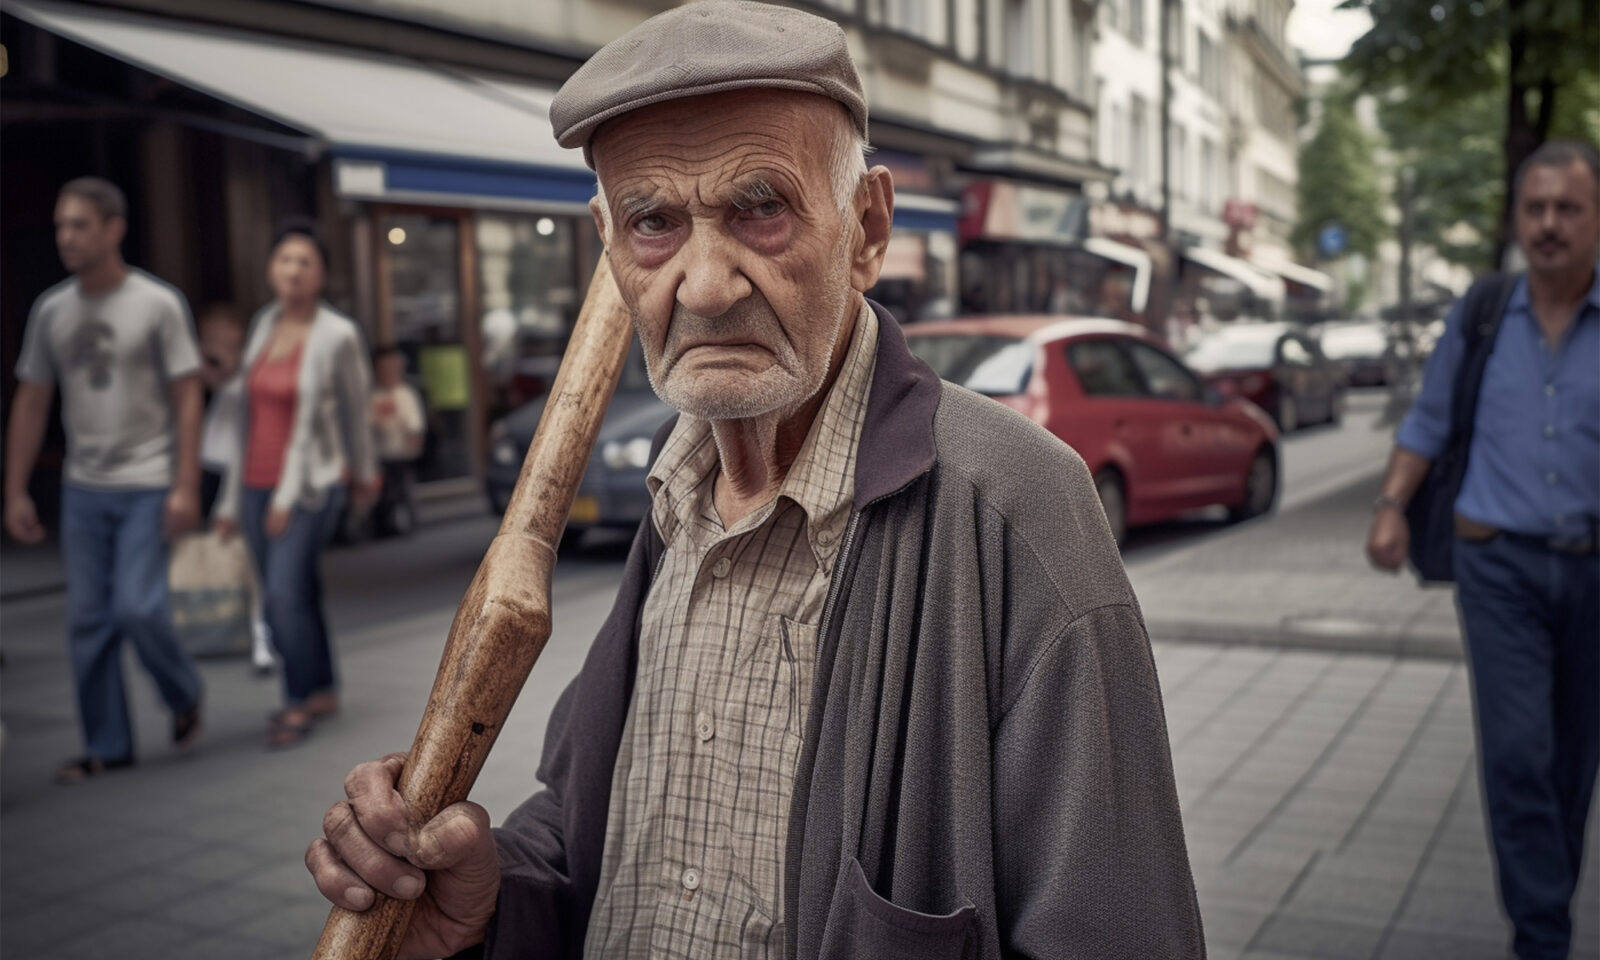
point(545, 226)
point(397, 235)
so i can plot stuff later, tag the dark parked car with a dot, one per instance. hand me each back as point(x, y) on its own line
point(1156, 440)
point(612, 492)
point(1275, 366)
point(1366, 352)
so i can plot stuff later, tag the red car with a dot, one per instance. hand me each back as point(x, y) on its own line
point(1158, 442)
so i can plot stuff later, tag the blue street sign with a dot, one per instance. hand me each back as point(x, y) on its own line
point(1331, 240)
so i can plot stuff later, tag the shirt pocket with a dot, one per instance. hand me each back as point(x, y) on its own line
point(872, 928)
point(799, 659)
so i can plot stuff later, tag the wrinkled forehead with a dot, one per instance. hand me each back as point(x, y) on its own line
point(1559, 181)
point(718, 142)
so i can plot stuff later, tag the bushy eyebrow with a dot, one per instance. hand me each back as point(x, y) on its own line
point(753, 192)
point(631, 206)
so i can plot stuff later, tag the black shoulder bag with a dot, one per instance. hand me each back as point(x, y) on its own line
point(1431, 513)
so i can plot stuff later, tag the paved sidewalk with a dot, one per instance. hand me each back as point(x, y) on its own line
point(1297, 579)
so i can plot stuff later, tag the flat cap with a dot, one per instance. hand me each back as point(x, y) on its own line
point(711, 46)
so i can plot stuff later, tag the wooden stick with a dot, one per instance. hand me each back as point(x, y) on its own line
point(504, 620)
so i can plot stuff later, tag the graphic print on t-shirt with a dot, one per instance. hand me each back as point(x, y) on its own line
point(93, 348)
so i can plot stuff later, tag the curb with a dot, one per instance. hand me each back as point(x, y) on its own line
point(1323, 634)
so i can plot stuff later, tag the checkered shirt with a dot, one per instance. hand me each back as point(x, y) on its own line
point(694, 848)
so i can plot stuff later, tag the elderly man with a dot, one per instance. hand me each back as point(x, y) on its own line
point(875, 684)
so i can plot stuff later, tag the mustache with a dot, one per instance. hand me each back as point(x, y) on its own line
point(751, 317)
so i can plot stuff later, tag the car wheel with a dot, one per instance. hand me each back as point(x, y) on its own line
point(1288, 414)
point(1260, 487)
point(1336, 408)
point(1114, 501)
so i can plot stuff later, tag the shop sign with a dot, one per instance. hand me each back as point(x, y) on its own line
point(999, 210)
point(1123, 222)
point(359, 178)
point(1239, 215)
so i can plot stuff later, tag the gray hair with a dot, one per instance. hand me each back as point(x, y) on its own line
point(847, 167)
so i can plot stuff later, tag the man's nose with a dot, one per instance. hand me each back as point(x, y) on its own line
point(712, 281)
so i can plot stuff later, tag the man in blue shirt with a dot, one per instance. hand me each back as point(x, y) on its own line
point(1525, 561)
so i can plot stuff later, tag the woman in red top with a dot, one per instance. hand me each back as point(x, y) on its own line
point(305, 441)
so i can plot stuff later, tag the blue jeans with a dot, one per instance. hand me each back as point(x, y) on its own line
point(1532, 624)
point(291, 583)
point(116, 562)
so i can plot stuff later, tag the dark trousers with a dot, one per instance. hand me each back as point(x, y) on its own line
point(1532, 623)
point(291, 582)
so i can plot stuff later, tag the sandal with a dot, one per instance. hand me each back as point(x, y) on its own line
point(288, 727)
point(81, 769)
point(323, 704)
point(186, 727)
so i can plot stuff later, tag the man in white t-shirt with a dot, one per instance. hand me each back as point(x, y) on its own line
point(121, 347)
point(399, 428)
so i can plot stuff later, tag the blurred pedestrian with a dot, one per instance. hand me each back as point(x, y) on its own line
point(399, 428)
point(875, 684)
point(304, 442)
point(222, 332)
point(1524, 531)
point(120, 345)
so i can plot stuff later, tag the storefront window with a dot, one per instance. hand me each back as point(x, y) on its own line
point(424, 300)
point(530, 295)
point(918, 277)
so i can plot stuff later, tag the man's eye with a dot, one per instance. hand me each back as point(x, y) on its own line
point(765, 210)
point(652, 224)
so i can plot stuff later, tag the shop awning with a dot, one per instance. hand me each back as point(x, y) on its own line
point(1305, 276)
point(412, 130)
point(1253, 278)
point(1128, 256)
point(924, 213)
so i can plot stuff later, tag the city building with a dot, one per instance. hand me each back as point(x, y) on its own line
point(417, 134)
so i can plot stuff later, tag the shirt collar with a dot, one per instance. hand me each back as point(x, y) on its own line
point(1520, 301)
point(818, 482)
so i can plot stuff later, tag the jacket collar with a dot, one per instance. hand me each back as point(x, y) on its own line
point(897, 443)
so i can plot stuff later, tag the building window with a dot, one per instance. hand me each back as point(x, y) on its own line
point(1116, 153)
point(1136, 22)
point(1019, 37)
point(1083, 58)
point(1180, 162)
point(1209, 78)
point(528, 276)
point(1177, 49)
point(1138, 140)
point(909, 16)
point(1208, 175)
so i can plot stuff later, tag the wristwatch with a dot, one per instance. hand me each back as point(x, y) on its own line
point(1384, 502)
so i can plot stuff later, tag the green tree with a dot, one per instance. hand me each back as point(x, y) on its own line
point(1338, 182)
point(1532, 55)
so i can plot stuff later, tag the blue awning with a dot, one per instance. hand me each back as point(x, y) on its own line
point(923, 213)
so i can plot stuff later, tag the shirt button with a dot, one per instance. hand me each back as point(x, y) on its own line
point(691, 879)
point(1549, 389)
point(1550, 478)
point(825, 537)
point(1549, 430)
point(721, 568)
point(703, 727)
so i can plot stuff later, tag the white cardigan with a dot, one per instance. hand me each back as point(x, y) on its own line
point(331, 438)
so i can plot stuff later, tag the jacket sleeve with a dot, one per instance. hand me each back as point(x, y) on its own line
point(536, 891)
point(1092, 860)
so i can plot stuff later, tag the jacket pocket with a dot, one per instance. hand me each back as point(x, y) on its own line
point(869, 927)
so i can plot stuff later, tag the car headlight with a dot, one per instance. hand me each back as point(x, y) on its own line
point(505, 453)
point(621, 455)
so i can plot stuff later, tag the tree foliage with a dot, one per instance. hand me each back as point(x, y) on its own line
point(1338, 181)
point(1515, 71)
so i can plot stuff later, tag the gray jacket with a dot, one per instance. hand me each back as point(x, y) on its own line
point(331, 440)
point(985, 770)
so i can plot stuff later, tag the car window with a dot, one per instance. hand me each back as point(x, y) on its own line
point(1295, 353)
point(1165, 376)
point(1103, 369)
point(997, 366)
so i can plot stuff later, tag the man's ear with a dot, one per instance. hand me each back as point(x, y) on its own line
point(599, 214)
point(874, 221)
point(119, 229)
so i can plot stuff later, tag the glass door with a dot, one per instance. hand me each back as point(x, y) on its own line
point(422, 273)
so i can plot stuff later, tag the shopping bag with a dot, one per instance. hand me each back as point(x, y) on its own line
point(213, 590)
